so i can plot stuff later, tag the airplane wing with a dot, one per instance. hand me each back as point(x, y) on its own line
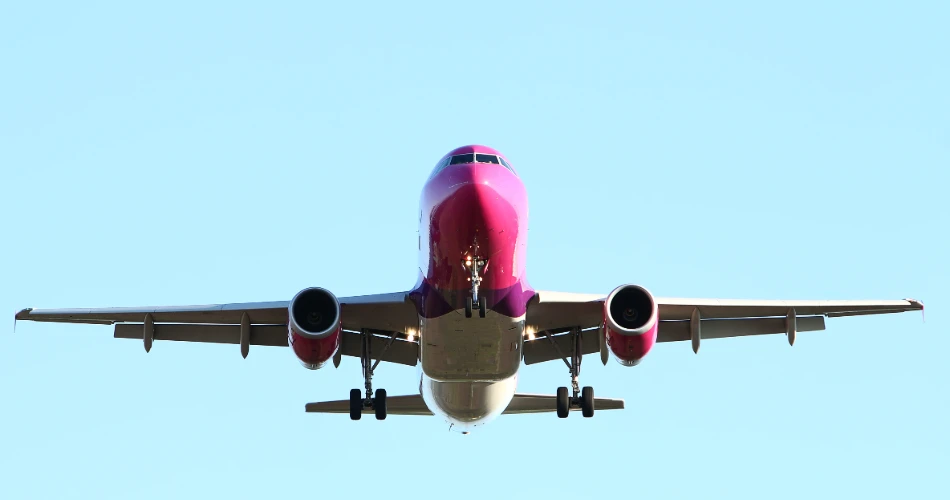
point(552, 314)
point(381, 314)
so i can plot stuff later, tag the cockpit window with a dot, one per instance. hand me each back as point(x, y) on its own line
point(466, 158)
point(471, 158)
point(486, 159)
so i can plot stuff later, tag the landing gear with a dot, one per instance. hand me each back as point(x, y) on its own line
point(563, 403)
point(587, 401)
point(470, 307)
point(356, 404)
point(372, 401)
point(583, 399)
point(379, 404)
point(475, 269)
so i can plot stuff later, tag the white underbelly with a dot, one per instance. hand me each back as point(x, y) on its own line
point(456, 349)
point(468, 404)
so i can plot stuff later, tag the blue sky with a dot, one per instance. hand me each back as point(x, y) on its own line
point(224, 152)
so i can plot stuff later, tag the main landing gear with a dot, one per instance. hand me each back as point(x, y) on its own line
point(374, 401)
point(581, 398)
point(475, 269)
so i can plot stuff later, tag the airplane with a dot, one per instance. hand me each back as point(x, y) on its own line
point(472, 320)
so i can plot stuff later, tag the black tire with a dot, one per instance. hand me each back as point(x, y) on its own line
point(356, 404)
point(587, 401)
point(468, 307)
point(482, 306)
point(379, 404)
point(563, 403)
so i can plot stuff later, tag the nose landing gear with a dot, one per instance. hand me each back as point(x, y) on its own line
point(470, 307)
point(476, 267)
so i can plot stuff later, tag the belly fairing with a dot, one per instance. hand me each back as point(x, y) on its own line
point(468, 404)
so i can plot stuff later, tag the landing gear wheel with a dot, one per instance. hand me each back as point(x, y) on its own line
point(563, 402)
point(379, 404)
point(587, 401)
point(468, 307)
point(356, 404)
point(482, 306)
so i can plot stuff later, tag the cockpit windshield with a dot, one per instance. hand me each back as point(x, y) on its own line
point(480, 158)
point(465, 158)
point(459, 159)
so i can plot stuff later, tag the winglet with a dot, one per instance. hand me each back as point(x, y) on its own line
point(23, 314)
point(918, 305)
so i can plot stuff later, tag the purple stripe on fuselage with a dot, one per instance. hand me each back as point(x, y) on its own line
point(432, 302)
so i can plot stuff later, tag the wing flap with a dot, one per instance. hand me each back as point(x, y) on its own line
point(542, 349)
point(674, 331)
point(399, 351)
point(269, 335)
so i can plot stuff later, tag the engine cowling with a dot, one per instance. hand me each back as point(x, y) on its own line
point(314, 326)
point(630, 320)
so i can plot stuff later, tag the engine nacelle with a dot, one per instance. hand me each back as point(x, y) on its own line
point(314, 326)
point(630, 319)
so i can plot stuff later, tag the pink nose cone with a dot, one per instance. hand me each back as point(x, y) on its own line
point(477, 214)
point(491, 184)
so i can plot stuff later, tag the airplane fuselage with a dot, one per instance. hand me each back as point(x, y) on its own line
point(473, 226)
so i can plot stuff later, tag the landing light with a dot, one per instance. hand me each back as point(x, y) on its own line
point(529, 332)
point(410, 334)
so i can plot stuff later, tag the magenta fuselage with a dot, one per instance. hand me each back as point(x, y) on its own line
point(471, 213)
point(473, 210)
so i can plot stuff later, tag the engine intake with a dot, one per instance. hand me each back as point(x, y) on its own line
point(630, 321)
point(315, 313)
point(314, 326)
point(631, 310)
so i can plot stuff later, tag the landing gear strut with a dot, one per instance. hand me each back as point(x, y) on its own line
point(375, 401)
point(475, 269)
point(583, 399)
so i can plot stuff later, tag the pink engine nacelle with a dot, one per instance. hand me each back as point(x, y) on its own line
point(630, 322)
point(314, 326)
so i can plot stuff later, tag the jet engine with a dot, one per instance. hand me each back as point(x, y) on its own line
point(630, 320)
point(314, 326)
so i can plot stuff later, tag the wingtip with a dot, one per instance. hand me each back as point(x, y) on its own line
point(918, 305)
point(23, 314)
